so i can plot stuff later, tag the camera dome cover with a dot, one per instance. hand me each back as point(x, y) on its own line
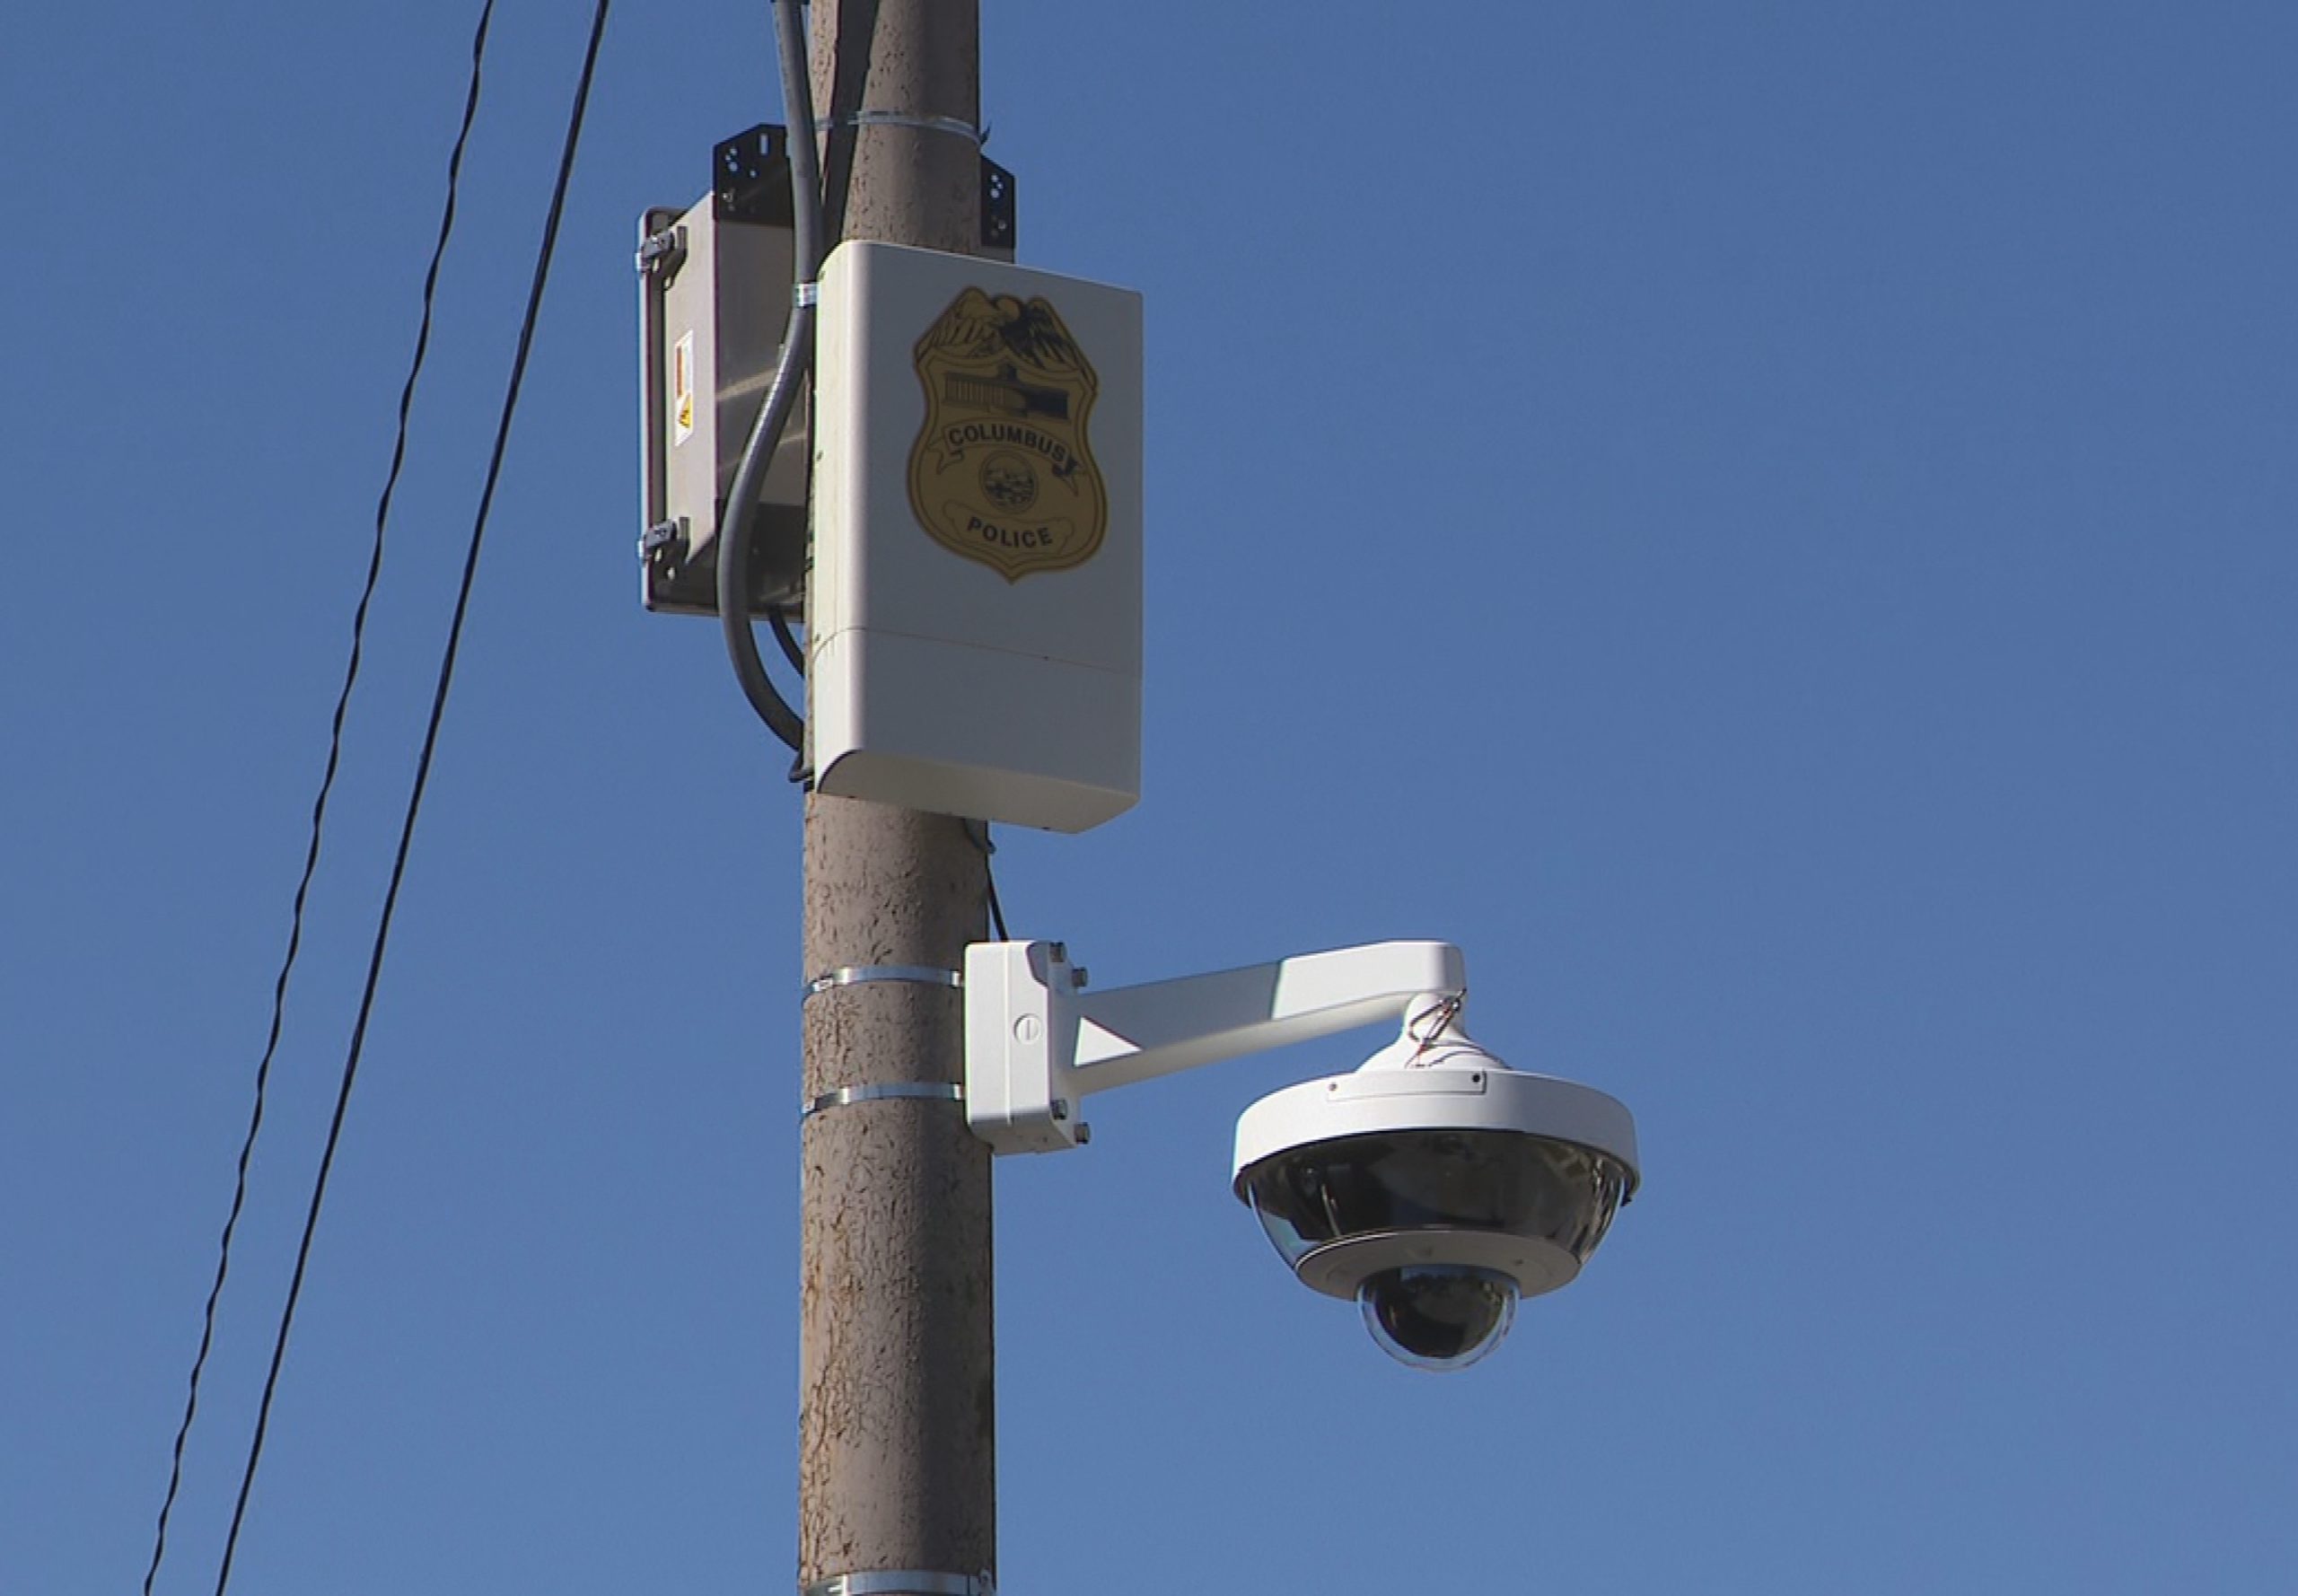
point(1438, 1318)
point(1486, 1168)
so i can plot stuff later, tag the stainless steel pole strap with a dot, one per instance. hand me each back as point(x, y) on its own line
point(858, 974)
point(853, 975)
point(895, 118)
point(903, 1581)
point(942, 1092)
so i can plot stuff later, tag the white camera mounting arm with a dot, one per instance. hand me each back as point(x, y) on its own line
point(1037, 1043)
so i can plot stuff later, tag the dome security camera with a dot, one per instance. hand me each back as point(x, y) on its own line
point(1434, 1184)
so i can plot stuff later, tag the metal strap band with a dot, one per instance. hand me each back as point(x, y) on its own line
point(894, 118)
point(903, 1581)
point(857, 974)
point(945, 1091)
point(806, 293)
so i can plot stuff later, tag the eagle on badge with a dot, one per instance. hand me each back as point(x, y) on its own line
point(1002, 471)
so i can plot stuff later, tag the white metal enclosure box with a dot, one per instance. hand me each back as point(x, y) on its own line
point(974, 630)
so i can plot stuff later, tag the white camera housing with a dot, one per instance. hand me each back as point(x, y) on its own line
point(1435, 1190)
point(1434, 1184)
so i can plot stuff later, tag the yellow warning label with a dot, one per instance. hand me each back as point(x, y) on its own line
point(682, 389)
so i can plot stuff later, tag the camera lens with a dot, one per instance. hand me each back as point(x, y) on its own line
point(1439, 1317)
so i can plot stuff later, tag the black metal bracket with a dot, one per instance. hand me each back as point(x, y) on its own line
point(751, 177)
point(998, 212)
point(750, 182)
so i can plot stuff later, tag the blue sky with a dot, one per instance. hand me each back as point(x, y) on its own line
point(1772, 526)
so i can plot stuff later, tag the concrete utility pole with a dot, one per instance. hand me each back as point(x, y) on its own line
point(897, 1410)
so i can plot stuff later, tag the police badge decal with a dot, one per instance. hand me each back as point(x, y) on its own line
point(1002, 471)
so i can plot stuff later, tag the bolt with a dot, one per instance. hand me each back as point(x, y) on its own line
point(1077, 978)
point(1061, 1107)
point(1084, 1134)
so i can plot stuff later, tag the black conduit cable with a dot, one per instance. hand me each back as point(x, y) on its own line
point(977, 833)
point(789, 644)
point(421, 779)
point(782, 395)
point(806, 209)
point(989, 888)
point(774, 414)
point(319, 805)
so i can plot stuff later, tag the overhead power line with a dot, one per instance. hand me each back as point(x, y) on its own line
point(422, 774)
point(319, 804)
point(422, 770)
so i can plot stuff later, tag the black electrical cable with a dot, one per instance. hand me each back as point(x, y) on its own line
point(319, 805)
point(996, 912)
point(789, 644)
point(782, 395)
point(421, 778)
point(977, 833)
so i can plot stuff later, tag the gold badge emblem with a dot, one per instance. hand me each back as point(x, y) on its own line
point(1001, 471)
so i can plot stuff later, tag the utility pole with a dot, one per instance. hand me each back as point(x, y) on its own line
point(896, 1356)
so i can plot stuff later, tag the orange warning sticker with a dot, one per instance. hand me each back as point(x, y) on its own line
point(682, 389)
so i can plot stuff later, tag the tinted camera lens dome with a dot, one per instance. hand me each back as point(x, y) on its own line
point(1438, 1316)
point(1331, 1191)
